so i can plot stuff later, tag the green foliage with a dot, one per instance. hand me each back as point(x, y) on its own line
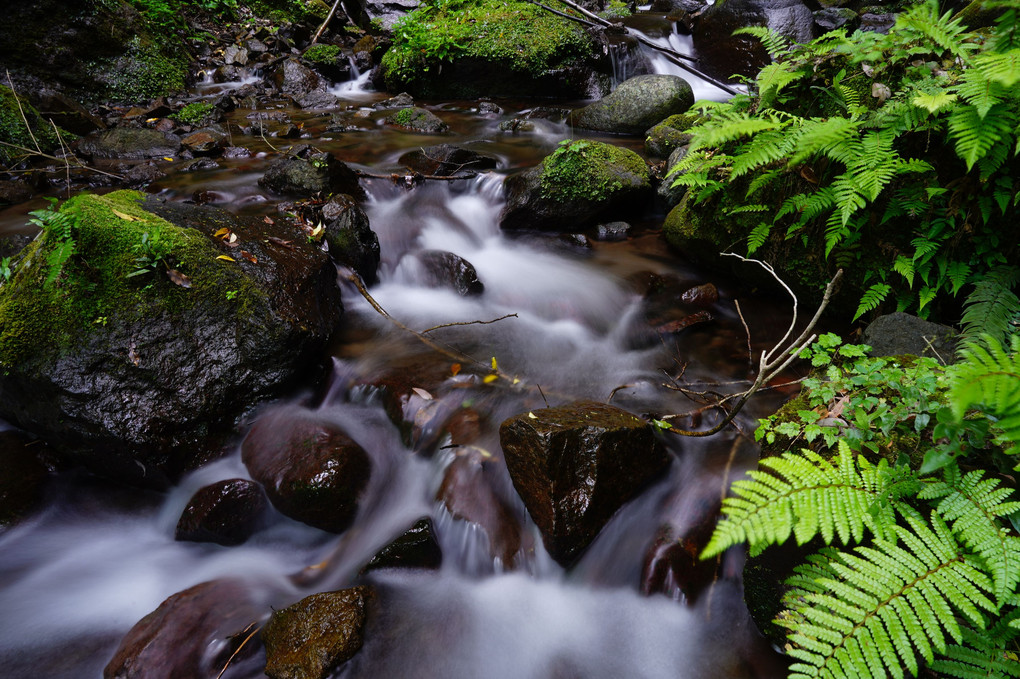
point(891, 156)
point(194, 113)
point(13, 130)
point(322, 54)
point(58, 228)
point(992, 307)
point(922, 564)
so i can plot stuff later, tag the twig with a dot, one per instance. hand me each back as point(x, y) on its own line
point(450, 325)
point(59, 160)
point(24, 118)
point(413, 176)
point(238, 649)
point(329, 17)
point(64, 150)
point(747, 331)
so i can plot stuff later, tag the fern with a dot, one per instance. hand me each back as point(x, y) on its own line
point(975, 134)
point(874, 296)
point(992, 307)
point(868, 612)
point(988, 377)
point(983, 654)
point(805, 495)
point(972, 505)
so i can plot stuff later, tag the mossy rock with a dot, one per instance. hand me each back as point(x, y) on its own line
point(669, 135)
point(141, 377)
point(636, 105)
point(493, 48)
point(419, 120)
point(579, 183)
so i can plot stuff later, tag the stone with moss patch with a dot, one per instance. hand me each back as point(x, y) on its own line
point(580, 182)
point(141, 376)
point(493, 48)
point(196, 113)
point(417, 120)
point(636, 105)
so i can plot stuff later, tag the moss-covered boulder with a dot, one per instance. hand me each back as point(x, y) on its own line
point(414, 119)
point(575, 465)
point(129, 143)
point(132, 337)
point(312, 638)
point(579, 183)
point(636, 105)
point(493, 48)
point(94, 50)
point(663, 139)
point(307, 171)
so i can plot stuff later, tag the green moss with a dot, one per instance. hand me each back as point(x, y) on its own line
point(146, 70)
point(322, 54)
point(14, 131)
point(93, 288)
point(516, 35)
point(193, 113)
point(588, 170)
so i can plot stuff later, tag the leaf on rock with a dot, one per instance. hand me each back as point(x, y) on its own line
point(178, 278)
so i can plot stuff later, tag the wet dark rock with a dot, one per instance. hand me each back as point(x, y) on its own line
point(226, 74)
point(417, 119)
point(287, 131)
point(669, 135)
point(722, 54)
point(636, 105)
point(66, 112)
point(13, 243)
point(129, 143)
point(447, 270)
point(552, 114)
point(143, 174)
point(575, 187)
point(612, 231)
point(832, 18)
point(402, 100)
point(294, 79)
point(703, 296)
point(575, 465)
point(198, 165)
point(202, 143)
point(445, 160)
point(311, 173)
point(23, 476)
point(155, 386)
point(14, 191)
point(517, 125)
point(319, 101)
point(226, 513)
point(417, 547)
point(352, 242)
point(877, 22)
point(311, 470)
point(236, 152)
point(672, 564)
point(234, 54)
point(901, 333)
point(467, 492)
point(312, 638)
point(191, 634)
point(575, 240)
point(489, 109)
point(669, 193)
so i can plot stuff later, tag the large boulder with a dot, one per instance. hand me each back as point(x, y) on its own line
point(494, 48)
point(295, 79)
point(579, 183)
point(723, 54)
point(636, 105)
point(129, 143)
point(312, 638)
point(307, 172)
point(352, 242)
point(902, 333)
point(191, 634)
point(137, 354)
point(575, 465)
point(383, 13)
point(312, 471)
point(446, 160)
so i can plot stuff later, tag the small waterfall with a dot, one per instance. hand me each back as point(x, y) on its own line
point(358, 87)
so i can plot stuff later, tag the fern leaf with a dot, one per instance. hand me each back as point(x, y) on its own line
point(980, 91)
point(758, 236)
point(904, 266)
point(992, 307)
point(817, 136)
point(972, 506)
point(872, 297)
point(805, 495)
point(772, 79)
point(873, 610)
point(1002, 68)
point(983, 653)
point(988, 377)
point(933, 103)
point(974, 134)
point(773, 42)
point(944, 32)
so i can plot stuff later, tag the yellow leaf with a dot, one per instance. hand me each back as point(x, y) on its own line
point(533, 416)
point(455, 368)
point(221, 233)
point(228, 259)
point(494, 365)
point(489, 379)
point(126, 217)
point(168, 159)
point(516, 380)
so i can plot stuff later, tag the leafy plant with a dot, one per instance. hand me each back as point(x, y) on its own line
point(907, 141)
point(58, 229)
point(921, 565)
point(5, 269)
point(151, 254)
point(194, 112)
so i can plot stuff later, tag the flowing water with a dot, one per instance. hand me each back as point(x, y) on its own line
point(76, 576)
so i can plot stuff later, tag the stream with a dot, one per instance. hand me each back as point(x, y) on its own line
point(77, 575)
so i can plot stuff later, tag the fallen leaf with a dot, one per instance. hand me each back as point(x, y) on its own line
point(421, 392)
point(229, 259)
point(495, 366)
point(233, 237)
point(455, 369)
point(250, 257)
point(268, 220)
point(125, 217)
point(317, 232)
point(168, 159)
point(282, 243)
point(533, 416)
point(489, 379)
point(222, 233)
point(178, 278)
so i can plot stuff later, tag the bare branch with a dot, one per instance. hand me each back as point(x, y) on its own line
point(450, 325)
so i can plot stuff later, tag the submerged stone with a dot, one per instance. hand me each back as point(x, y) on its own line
point(575, 465)
point(129, 143)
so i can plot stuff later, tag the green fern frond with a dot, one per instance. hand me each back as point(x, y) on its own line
point(773, 42)
point(974, 135)
point(992, 307)
point(871, 612)
point(765, 148)
point(985, 653)
point(988, 377)
point(758, 236)
point(761, 180)
point(980, 91)
point(934, 102)
point(818, 136)
point(772, 79)
point(1002, 68)
point(728, 127)
point(1007, 31)
point(945, 32)
point(872, 297)
point(804, 495)
point(972, 505)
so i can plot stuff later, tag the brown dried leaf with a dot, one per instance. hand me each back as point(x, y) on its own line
point(282, 243)
point(250, 257)
point(177, 278)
